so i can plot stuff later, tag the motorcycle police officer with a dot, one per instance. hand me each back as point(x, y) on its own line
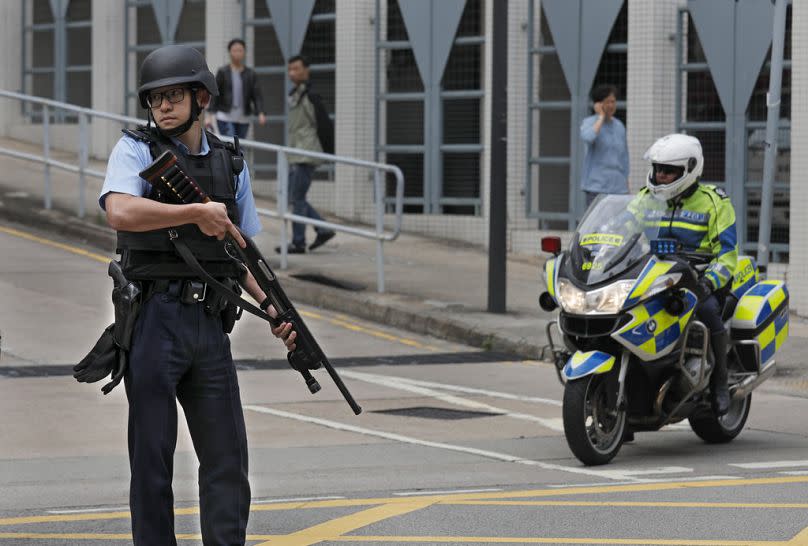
point(702, 218)
point(180, 349)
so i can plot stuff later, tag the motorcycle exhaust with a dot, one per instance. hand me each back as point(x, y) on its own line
point(660, 397)
point(742, 389)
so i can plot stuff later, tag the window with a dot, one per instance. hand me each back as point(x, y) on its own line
point(552, 179)
point(319, 48)
point(433, 134)
point(702, 115)
point(59, 62)
point(188, 29)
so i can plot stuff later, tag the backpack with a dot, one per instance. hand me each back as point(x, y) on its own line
point(325, 127)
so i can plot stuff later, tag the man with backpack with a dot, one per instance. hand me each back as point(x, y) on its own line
point(310, 128)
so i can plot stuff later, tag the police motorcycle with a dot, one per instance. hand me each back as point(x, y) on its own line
point(632, 355)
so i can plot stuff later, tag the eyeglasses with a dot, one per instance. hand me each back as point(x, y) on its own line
point(668, 169)
point(155, 98)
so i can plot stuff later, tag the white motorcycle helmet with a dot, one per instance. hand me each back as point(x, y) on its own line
point(674, 151)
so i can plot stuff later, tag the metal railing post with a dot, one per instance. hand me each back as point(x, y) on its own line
point(378, 182)
point(84, 153)
point(46, 154)
point(283, 204)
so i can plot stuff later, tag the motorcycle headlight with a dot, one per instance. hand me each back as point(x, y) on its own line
point(603, 301)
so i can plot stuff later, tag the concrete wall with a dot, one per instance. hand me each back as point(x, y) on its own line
point(222, 24)
point(651, 79)
point(11, 74)
point(798, 258)
point(108, 76)
point(522, 232)
point(354, 116)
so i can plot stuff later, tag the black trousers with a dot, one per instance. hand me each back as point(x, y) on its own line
point(179, 352)
point(709, 312)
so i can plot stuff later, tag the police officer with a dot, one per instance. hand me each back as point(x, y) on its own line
point(179, 349)
point(702, 218)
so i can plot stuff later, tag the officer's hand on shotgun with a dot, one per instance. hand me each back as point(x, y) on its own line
point(283, 331)
point(213, 220)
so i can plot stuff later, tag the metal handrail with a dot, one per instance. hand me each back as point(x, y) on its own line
point(282, 212)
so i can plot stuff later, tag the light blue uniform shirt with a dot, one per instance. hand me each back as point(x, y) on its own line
point(606, 163)
point(130, 156)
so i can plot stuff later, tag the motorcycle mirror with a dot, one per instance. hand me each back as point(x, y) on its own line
point(675, 304)
point(546, 302)
point(551, 244)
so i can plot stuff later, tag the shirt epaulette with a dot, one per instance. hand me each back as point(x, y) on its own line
point(138, 134)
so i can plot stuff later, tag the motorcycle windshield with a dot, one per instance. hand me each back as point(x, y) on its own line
point(611, 237)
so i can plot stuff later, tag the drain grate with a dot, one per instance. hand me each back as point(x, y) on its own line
point(444, 414)
point(329, 281)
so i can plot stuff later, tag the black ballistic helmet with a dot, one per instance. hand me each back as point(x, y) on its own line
point(171, 65)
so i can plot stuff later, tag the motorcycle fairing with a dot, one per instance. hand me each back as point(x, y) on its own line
point(762, 314)
point(551, 268)
point(582, 364)
point(652, 332)
point(652, 270)
point(745, 276)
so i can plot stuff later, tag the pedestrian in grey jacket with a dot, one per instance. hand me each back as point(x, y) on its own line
point(302, 127)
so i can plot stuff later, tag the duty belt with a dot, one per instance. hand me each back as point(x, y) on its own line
point(188, 291)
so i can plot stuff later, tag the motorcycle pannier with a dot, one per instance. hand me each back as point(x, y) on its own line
point(762, 315)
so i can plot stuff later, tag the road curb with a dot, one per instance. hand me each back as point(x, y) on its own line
point(394, 310)
point(28, 210)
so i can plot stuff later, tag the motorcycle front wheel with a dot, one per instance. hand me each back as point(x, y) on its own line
point(593, 425)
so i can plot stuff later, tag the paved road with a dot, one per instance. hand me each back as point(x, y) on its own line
point(455, 445)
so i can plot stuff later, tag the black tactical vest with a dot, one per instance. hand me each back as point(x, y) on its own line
point(150, 255)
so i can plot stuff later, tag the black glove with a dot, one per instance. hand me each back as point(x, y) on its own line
point(704, 289)
point(121, 363)
point(104, 359)
point(100, 361)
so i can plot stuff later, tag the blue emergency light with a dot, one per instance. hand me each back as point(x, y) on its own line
point(661, 247)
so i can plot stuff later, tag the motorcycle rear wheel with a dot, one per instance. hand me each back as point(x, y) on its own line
point(593, 427)
point(720, 430)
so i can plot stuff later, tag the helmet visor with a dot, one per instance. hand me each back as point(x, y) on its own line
point(663, 173)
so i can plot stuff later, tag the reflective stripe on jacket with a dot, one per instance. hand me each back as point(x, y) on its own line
point(703, 220)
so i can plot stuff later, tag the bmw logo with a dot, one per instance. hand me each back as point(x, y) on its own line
point(651, 326)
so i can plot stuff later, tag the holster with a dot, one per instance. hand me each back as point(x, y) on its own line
point(230, 313)
point(126, 300)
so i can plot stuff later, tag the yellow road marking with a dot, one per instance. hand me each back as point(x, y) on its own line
point(338, 527)
point(796, 541)
point(95, 516)
point(69, 536)
point(48, 242)
point(344, 322)
point(605, 489)
point(801, 539)
point(313, 538)
point(110, 536)
point(631, 504)
point(447, 499)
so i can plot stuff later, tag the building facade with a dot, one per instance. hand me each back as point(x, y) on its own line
point(409, 82)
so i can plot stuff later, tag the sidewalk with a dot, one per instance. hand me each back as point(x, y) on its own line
point(433, 287)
